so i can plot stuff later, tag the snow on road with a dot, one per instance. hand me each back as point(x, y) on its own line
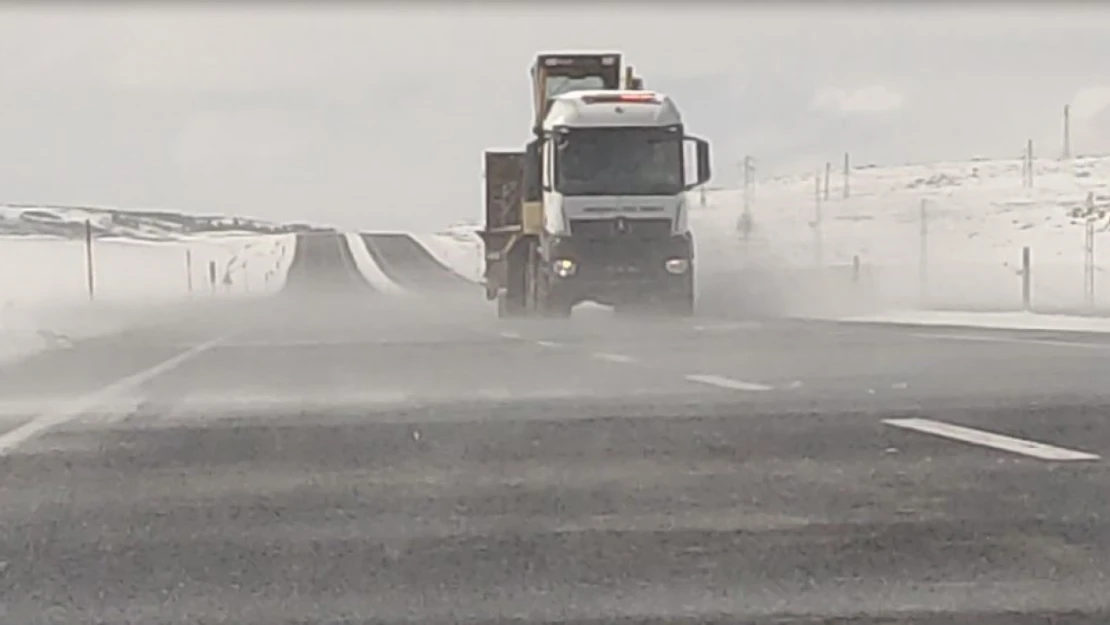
point(460, 249)
point(369, 268)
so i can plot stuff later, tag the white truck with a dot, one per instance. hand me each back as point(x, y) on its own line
point(603, 202)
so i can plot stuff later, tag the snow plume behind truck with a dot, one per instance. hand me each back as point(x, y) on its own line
point(594, 207)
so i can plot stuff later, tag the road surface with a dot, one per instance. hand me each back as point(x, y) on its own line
point(336, 455)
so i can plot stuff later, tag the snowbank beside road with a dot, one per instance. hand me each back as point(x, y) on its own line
point(460, 251)
point(1000, 321)
point(252, 265)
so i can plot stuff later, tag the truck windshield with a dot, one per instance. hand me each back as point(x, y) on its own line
point(619, 161)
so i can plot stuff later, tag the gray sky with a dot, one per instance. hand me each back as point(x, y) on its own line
point(375, 116)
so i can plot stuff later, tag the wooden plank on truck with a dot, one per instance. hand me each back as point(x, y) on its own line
point(504, 189)
point(504, 173)
point(559, 72)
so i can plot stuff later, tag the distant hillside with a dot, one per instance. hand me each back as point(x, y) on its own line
point(69, 222)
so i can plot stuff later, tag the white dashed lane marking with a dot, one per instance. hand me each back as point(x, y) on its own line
point(729, 383)
point(727, 327)
point(990, 439)
point(621, 358)
point(548, 344)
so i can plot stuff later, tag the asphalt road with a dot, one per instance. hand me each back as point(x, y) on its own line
point(335, 455)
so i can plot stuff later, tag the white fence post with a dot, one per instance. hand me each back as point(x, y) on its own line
point(1026, 280)
point(923, 253)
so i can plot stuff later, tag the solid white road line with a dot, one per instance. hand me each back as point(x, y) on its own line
point(70, 410)
point(989, 439)
point(729, 383)
point(727, 327)
point(621, 358)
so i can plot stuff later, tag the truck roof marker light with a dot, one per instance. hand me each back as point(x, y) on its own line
point(640, 98)
point(637, 97)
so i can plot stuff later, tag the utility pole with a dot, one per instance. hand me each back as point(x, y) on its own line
point(923, 254)
point(828, 174)
point(818, 243)
point(1089, 254)
point(1026, 280)
point(1067, 131)
point(89, 259)
point(749, 185)
point(847, 170)
point(1028, 169)
point(744, 223)
point(189, 270)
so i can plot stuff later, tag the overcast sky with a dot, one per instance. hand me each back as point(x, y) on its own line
point(374, 116)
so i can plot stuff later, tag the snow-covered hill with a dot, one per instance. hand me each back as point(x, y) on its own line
point(69, 222)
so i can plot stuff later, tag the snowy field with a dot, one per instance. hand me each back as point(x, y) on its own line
point(968, 220)
point(44, 294)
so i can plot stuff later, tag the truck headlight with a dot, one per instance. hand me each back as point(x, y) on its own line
point(677, 266)
point(564, 267)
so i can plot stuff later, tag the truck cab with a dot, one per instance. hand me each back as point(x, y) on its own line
point(594, 208)
point(610, 170)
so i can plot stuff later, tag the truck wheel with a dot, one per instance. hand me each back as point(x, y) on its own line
point(556, 309)
point(682, 306)
point(513, 301)
point(554, 306)
point(680, 302)
point(507, 308)
point(638, 309)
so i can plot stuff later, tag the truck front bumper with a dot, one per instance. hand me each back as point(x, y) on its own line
point(616, 271)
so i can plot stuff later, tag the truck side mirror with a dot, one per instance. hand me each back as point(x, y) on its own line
point(703, 161)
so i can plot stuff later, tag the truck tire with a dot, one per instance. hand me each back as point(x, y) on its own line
point(550, 304)
point(682, 304)
point(513, 301)
point(556, 308)
point(627, 309)
point(507, 308)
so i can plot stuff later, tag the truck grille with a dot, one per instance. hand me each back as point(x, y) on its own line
point(621, 227)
